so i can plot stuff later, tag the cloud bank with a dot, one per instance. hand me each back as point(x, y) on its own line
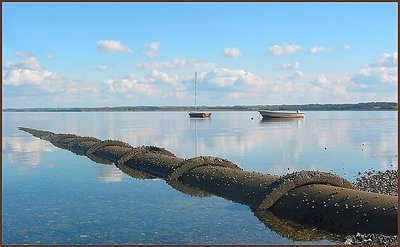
point(382, 72)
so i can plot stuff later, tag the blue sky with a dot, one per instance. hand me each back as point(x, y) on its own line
point(111, 54)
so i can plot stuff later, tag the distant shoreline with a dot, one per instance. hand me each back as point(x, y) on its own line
point(369, 106)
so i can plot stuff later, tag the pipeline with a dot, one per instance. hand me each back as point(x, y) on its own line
point(315, 200)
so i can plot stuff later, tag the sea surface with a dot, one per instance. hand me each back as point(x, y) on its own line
point(52, 196)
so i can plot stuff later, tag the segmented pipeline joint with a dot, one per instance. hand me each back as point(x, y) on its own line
point(316, 199)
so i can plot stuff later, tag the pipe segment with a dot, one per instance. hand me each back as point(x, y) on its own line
point(190, 164)
point(340, 210)
point(316, 199)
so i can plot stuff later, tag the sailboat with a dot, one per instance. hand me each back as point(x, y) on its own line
point(197, 114)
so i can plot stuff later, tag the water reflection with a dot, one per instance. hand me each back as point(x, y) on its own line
point(285, 228)
point(25, 153)
point(325, 140)
point(193, 122)
point(110, 174)
point(293, 230)
point(355, 141)
point(282, 121)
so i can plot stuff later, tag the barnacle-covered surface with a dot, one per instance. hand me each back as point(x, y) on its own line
point(309, 198)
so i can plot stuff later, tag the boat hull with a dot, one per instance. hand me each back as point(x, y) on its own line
point(200, 114)
point(280, 114)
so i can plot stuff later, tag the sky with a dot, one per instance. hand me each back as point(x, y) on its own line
point(129, 54)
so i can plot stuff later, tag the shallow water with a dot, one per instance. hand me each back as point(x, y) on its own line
point(52, 196)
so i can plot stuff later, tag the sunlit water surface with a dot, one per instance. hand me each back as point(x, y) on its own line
point(52, 196)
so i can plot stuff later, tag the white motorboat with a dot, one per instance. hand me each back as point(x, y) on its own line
point(281, 114)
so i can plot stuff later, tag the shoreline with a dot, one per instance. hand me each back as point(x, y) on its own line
point(369, 106)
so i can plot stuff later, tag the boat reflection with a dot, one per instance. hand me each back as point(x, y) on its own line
point(193, 121)
point(283, 121)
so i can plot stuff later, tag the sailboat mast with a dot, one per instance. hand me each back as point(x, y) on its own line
point(195, 91)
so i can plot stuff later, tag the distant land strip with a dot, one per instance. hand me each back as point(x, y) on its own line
point(369, 106)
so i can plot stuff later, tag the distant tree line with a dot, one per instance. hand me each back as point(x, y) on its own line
point(370, 106)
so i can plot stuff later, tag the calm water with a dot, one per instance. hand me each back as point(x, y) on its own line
point(52, 196)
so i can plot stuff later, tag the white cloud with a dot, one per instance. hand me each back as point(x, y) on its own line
point(159, 77)
point(223, 77)
point(163, 77)
point(74, 91)
point(31, 63)
point(340, 90)
point(284, 49)
point(148, 66)
point(112, 46)
point(50, 56)
point(177, 64)
point(297, 74)
point(232, 52)
point(380, 72)
point(347, 47)
point(386, 60)
point(331, 88)
point(28, 77)
point(152, 49)
point(28, 72)
point(237, 95)
point(319, 49)
point(131, 85)
point(181, 94)
point(23, 54)
point(373, 75)
point(321, 80)
point(102, 67)
point(315, 91)
point(295, 65)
